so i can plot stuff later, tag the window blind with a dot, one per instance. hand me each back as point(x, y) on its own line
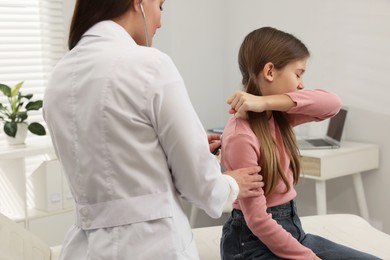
point(31, 42)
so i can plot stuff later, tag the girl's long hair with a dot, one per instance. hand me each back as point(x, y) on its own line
point(89, 12)
point(258, 48)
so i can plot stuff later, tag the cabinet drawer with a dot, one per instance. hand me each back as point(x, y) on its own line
point(311, 166)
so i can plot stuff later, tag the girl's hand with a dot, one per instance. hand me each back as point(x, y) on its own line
point(241, 102)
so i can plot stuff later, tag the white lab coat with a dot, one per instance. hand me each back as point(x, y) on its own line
point(130, 144)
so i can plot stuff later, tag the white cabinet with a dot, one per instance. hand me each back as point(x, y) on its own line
point(53, 213)
point(350, 159)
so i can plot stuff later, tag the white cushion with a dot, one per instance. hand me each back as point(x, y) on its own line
point(349, 230)
point(55, 252)
point(18, 243)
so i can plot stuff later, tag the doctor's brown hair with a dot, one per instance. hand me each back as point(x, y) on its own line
point(89, 12)
point(258, 48)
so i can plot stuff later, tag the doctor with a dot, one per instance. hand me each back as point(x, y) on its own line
point(129, 140)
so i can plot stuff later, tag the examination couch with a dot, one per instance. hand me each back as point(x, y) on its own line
point(349, 230)
point(17, 243)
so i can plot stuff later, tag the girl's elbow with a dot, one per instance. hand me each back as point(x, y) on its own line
point(337, 104)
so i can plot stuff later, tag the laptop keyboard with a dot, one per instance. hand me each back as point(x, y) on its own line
point(319, 142)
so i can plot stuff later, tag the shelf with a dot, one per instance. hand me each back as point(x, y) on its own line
point(38, 146)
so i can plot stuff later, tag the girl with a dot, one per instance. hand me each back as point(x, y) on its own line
point(272, 64)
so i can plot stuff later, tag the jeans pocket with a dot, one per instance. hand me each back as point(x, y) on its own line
point(293, 226)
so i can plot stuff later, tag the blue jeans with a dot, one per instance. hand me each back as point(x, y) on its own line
point(238, 242)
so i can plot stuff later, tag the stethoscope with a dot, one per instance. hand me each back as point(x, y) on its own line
point(145, 29)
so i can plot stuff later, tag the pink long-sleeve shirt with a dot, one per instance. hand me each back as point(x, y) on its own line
point(241, 148)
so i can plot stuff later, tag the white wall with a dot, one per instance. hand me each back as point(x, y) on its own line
point(191, 35)
point(68, 6)
point(349, 42)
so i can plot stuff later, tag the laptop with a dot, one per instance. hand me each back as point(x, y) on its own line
point(333, 135)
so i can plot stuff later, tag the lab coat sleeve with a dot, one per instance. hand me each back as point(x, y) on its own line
point(195, 171)
point(234, 190)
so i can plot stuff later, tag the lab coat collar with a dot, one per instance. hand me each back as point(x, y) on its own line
point(110, 28)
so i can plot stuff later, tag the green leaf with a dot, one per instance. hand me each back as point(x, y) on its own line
point(4, 110)
point(19, 105)
point(34, 105)
point(16, 88)
point(6, 90)
point(10, 128)
point(28, 96)
point(22, 115)
point(37, 128)
point(12, 117)
point(20, 96)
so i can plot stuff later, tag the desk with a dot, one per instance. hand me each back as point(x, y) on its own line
point(350, 159)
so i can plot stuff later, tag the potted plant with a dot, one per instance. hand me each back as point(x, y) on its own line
point(15, 113)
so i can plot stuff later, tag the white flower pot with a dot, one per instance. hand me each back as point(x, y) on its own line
point(20, 136)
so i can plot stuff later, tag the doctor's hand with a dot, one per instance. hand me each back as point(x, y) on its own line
point(214, 143)
point(241, 102)
point(249, 181)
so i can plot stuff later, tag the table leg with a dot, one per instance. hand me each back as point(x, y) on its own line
point(321, 197)
point(361, 197)
point(194, 214)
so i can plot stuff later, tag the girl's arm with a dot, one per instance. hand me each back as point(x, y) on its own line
point(241, 150)
point(301, 106)
point(312, 105)
point(241, 102)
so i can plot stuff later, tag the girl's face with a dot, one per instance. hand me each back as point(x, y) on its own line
point(288, 79)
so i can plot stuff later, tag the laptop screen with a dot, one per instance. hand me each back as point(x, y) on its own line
point(336, 125)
